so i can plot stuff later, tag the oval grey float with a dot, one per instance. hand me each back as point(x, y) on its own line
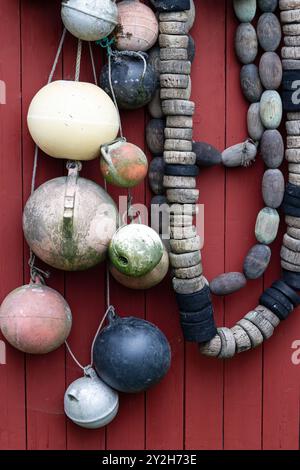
point(270, 70)
point(250, 83)
point(257, 261)
point(273, 188)
point(246, 44)
point(271, 109)
point(269, 32)
point(272, 148)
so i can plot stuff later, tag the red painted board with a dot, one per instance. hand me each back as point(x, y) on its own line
point(45, 375)
point(243, 374)
point(204, 376)
point(12, 383)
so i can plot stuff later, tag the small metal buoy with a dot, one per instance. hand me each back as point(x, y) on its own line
point(89, 402)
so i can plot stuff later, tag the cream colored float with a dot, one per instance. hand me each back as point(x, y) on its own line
point(71, 120)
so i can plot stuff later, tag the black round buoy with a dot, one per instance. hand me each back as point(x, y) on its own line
point(171, 5)
point(131, 354)
point(133, 86)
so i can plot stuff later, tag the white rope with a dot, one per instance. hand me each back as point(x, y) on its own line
point(113, 94)
point(60, 46)
point(78, 60)
point(107, 268)
point(109, 310)
point(93, 63)
point(73, 356)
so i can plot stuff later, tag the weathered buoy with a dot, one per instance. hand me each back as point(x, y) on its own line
point(211, 348)
point(273, 188)
point(154, 107)
point(135, 249)
point(123, 164)
point(155, 135)
point(228, 347)
point(206, 154)
point(35, 319)
point(270, 70)
point(185, 260)
point(147, 281)
point(138, 27)
point(277, 302)
point(272, 148)
point(242, 340)
point(254, 124)
point(89, 20)
point(271, 109)
point(250, 83)
point(267, 224)
point(239, 154)
point(245, 10)
point(227, 283)
point(72, 120)
point(268, 5)
point(290, 293)
point(131, 354)
point(171, 5)
point(154, 59)
point(156, 175)
point(268, 314)
point(246, 44)
point(252, 331)
point(69, 221)
point(90, 403)
point(191, 15)
point(291, 278)
point(134, 84)
point(269, 32)
point(257, 261)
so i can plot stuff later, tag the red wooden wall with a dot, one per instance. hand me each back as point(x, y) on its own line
point(251, 402)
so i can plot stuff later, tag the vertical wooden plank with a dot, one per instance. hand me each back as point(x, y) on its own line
point(204, 377)
point(127, 432)
point(243, 374)
point(165, 416)
point(12, 383)
point(281, 376)
point(84, 290)
point(45, 375)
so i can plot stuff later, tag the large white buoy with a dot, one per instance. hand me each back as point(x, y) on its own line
point(71, 120)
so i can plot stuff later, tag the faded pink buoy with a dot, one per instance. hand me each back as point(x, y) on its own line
point(137, 28)
point(35, 319)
